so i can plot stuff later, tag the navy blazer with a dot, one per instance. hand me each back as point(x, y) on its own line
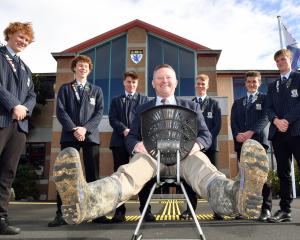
point(14, 90)
point(117, 116)
point(283, 101)
point(134, 136)
point(254, 118)
point(86, 112)
point(211, 112)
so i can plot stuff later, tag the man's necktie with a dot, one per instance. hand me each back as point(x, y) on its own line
point(164, 101)
point(199, 100)
point(17, 64)
point(17, 59)
point(249, 101)
point(283, 80)
point(80, 89)
point(128, 109)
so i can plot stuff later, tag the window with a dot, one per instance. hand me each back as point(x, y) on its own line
point(181, 59)
point(109, 61)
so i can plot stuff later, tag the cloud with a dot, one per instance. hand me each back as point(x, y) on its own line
point(245, 31)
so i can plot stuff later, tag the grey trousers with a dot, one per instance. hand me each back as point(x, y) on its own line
point(195, 169)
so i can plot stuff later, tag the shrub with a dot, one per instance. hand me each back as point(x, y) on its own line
point(274, 180)
point(25, 185)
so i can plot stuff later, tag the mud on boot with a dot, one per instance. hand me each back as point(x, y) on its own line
point(254, 168)
point(81, 200)
point(242, 197)
point(71, 185)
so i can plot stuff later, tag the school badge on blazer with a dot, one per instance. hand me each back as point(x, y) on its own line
point(92, 101)
point(294, 93)
point(136, 55)
point(209, 115)
point(258, 106)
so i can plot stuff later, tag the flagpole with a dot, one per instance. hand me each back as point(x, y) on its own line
point(280, 31)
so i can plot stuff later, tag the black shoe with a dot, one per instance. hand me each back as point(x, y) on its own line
point(57, 221)
point(217, 216)
point(281, 216)
point(149, 217)
point(186, 214)
point(118, 217)
point(6, 229)
point(265, 215)
point(102, 219)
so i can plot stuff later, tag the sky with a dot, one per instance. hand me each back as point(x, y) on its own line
point(245, 31)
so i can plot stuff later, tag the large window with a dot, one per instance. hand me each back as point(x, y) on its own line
point(181, 59)
point(109, 61)
point(239, 88)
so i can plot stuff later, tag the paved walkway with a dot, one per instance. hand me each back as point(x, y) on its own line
point(33, 219)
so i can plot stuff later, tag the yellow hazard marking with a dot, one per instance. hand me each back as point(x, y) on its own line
point(171, 212)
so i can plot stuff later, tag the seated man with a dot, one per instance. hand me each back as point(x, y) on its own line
point(84, 201)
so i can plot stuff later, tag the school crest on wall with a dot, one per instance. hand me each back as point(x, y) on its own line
point(136, 55)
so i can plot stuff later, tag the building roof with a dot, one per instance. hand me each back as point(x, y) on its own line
point(135, 23)
point(242, 72)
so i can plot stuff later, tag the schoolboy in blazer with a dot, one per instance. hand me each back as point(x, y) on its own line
point(248, 120)
point(211, 112)
point(283, 109)
point(79, 110)
point(17, 100)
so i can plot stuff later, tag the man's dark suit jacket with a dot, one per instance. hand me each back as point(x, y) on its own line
point(203, 136)
point(14, 90)
point(212, 115)
point(254, 118)
point(118, 119)
point(84, 113)
point(283, 101)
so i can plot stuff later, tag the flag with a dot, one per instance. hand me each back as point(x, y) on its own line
point(292, 45)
